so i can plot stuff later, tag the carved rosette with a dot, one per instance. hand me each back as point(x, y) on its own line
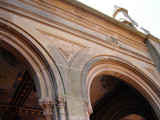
point(47, 106)
point(60, 102)
point(112, 40)
point(88, 108)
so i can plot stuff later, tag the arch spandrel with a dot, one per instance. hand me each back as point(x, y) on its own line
point(42, 67)
point(124, 70)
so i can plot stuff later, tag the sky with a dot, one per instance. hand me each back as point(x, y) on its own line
point(145, 12)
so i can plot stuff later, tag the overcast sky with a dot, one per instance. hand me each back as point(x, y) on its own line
point(145, 12)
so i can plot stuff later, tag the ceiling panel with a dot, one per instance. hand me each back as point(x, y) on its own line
point(102, 85)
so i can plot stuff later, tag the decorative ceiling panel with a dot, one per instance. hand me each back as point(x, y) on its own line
point(8, 64)
point(2, 111)
point(11, 72)
point(32, 100)
point(29, 116)
point(17, 89)
point(102, 85)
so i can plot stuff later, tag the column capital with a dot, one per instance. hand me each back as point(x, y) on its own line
point(60, 101)
point(47, 106)
point(87, 107)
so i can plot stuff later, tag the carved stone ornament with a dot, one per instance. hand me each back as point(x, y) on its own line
point(66, 47)
point(112, 39)
point(60, 101)
point(47, 106)
point(88, 108)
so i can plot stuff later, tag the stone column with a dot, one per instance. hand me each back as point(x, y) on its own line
point(88, 110)
point(61, 106)
point(47, 106)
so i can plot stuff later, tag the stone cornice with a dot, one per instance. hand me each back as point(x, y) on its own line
point(91, 38)
point(110, 19)
point(154, 38)
point(55, 8)
point(103, 17)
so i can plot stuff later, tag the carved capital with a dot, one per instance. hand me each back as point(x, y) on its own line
point(88, 107)
point(61, 102)
point(47, 106)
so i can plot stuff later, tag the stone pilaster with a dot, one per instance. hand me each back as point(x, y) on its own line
point(61, 106)
point(47, 106)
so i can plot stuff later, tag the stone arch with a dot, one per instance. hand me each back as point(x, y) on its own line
point(110, 65)
point(124, 109)
point(40, 64)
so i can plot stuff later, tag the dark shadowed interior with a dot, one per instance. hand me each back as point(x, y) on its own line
point(112, 99)
point(18, 96)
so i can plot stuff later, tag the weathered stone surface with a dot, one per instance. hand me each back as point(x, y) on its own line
point(67, 45)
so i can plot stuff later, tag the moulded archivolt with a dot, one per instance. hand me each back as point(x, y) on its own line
point(152, 72)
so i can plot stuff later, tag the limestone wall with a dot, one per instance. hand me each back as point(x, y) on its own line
point(72, 37)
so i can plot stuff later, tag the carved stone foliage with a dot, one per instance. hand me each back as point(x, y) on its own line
point(60, 101)
point(112, 40)
point(87, 107)
point(66, 47)
point(47, 106)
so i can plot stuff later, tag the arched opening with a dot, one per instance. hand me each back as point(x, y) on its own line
point(113, 99)
point(37, 59)
point(135, 80)
point(18, 95)
point(39, 66)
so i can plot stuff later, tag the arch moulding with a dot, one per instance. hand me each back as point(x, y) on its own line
point(46, 75)
point(114, 66)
